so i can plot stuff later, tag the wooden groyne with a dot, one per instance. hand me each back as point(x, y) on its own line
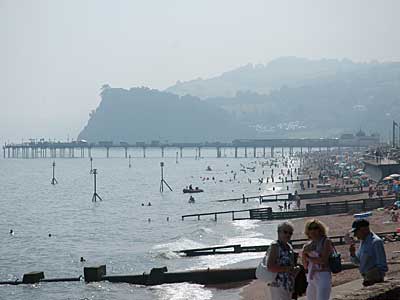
point(312, 210)
point(155, 277)
point(265, 198)
point(322, 193)
point(296, 243)
point(216, 213)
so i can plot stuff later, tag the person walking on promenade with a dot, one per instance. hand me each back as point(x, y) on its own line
point(315, 256)
point(281, 260)
point(370, 256)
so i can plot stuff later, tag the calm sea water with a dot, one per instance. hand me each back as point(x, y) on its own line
point(116, 231)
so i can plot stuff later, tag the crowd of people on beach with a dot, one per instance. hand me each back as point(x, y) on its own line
point(319, 260)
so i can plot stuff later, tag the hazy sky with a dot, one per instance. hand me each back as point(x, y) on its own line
point(55, 55)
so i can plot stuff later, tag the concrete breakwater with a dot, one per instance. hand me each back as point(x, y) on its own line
point(155, 277)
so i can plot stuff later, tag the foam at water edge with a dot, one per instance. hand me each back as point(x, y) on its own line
point(182, 291)
point(182, 243)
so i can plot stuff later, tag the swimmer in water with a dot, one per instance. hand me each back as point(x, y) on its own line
point(11, 232)
point(82, 259)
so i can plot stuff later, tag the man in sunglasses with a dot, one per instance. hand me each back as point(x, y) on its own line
point(370, 256)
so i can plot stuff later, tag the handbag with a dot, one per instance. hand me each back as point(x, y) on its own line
point(262, 272)
point(335, 261)
point(300, 283)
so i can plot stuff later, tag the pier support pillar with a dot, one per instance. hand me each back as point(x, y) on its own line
point(272, 151)
point(126, 152)
point(108, 152)
point(144, 152)
point(199, 151)
point(245, 152)
point(264, 152)
point(181, 151)
point(90, 151)
point(162, 152)
point(218, 152)
point(82, 152)
point(283, 153)
point(236, 151)
point(254, 152)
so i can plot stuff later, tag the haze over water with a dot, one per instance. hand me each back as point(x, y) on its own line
point(116, 231)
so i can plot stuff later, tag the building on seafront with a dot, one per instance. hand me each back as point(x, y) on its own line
point(360, 139)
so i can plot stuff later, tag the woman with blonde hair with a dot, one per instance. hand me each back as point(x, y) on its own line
point(315, 256)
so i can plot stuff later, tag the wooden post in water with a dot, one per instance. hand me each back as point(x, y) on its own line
point(54, 180)
point(176, 160)
point(162, 179)
point(130, 165)
point(95, 195)
point(91, 165)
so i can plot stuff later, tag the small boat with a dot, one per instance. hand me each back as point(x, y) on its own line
point(192, 191)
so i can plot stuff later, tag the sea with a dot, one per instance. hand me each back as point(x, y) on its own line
point(55, 225)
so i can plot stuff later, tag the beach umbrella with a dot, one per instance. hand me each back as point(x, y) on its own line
point(394, 176)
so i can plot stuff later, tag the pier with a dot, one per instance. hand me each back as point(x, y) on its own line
point(52, 149)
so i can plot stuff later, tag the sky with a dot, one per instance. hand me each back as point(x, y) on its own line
point(56, 54)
